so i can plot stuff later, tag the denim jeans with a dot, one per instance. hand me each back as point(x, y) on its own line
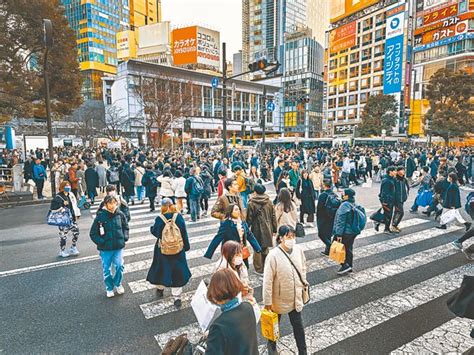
point(195, 209)
point(140, 193)
point(298, 331)
point(108, 258)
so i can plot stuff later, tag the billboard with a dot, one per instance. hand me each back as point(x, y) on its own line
point(126, 45)
point(196, 45)
point(338, 9)
point(428, 4)
point(392, 81)
point(445, 23)
point(439, 34)
point(437, 15)
point(442, 42)
point(343, 37)
point(157, 34)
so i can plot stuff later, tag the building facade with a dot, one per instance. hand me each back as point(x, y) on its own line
point(96, 24)
point(443, 38)
point(368, 53)
point(205, 103)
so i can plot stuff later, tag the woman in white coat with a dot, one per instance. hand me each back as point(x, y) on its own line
point(166, 180)
point(178, 186)
point(285, 209)
point(284, 280)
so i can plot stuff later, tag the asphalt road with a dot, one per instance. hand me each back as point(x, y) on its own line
point(395, 299)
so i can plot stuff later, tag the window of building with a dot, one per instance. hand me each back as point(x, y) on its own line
point(378, 50)
point(367, 23)
point(343, 74)
point(332, 90)
point(380, 19)
point(378, 65)
point(351, 113)
point(364, 96)
point(379, 34)
point(341, 101)
point(354, 57)
point(352, 99)
point(331, 103)
point(353, 85)
point(343, 60)
point(342, 88)
point(365, 68)
point(364, 83)
point(341, 114)
point(366, 53)
point(353, 72)
point(331, 115)
point(377, 80)
point(366, 39)
point(333, 64)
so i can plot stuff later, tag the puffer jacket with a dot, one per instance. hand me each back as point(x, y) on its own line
point(343, 220)
point(115, 228)
point(166, 189)
point(262, 219)
point(282, 287)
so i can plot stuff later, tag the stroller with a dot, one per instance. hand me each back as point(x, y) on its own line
point(82, 203)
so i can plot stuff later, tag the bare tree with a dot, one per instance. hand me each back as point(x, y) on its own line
point(89, 120)
point(115, 120)
point(163, 100)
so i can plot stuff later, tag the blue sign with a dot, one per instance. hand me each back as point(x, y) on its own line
point(270, 106)
point(392, 76)
point(215, 82)
point(444, 41)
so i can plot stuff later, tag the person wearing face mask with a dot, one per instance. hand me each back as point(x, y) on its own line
point(110, 232)
point(111, 190)
point(66, 199)
point(232, 259)
point(283, 286)
point(234, 228)
point(234, 332)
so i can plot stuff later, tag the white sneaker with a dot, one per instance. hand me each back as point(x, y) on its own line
point(120, 290)
point(73, 251)
point(110, 294)
point(63, 253)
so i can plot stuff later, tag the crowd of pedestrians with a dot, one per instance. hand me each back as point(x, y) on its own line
point(315, 188)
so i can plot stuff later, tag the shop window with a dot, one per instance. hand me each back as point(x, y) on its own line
point(353, 85)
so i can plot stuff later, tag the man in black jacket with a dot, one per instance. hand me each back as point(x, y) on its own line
point(402, 189)
point(387, 198)
point(326, 209)
point(109, 232)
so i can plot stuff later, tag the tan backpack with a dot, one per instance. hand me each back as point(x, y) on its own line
point(171, 242)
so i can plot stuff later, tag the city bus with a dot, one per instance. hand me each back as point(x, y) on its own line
point(376, 141)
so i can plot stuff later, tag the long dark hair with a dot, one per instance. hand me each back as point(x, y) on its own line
point(283, 175)
point(284, 197)
point(230, 209)
point(229, 250)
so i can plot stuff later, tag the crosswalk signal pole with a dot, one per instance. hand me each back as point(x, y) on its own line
point(224, 97)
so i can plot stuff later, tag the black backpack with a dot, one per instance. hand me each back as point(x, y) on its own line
point(332, 203)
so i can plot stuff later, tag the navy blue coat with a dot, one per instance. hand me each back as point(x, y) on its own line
point(127, 179)
point(150, 190)
point(169, 270)
point(452, 197)
point(92, 181)
point(325, 218)
point(228, 231)
point(387, 190)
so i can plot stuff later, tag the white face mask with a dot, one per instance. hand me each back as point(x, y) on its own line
point(238, 260)
point(289, 243)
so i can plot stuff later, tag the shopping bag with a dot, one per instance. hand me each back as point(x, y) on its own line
point(448, 217)
point(204, 310)
point(269, 325)
point(424, 198)
point(377, 216)
point(462, 302)
point(337, 251)
point(60, 218)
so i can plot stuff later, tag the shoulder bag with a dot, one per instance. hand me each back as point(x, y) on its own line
point(306, 295)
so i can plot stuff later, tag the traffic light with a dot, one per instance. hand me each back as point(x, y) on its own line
point(260, 64)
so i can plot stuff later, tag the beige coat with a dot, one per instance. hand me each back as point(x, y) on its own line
point(286, 218)
point(317, 178)
point(282, 288)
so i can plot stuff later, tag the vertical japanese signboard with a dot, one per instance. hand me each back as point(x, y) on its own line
point(393, 54)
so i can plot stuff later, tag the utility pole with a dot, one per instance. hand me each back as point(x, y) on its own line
point(224, 97)
point(48, 43)
point(264, 117)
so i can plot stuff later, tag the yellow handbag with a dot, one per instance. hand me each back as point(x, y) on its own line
point(337, 251)
point(269, 325)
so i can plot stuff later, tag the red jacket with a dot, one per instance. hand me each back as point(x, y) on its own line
point(73, 179)
point(220, 186)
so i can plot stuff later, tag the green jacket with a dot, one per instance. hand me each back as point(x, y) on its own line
point(115, 228)
point(294, 177)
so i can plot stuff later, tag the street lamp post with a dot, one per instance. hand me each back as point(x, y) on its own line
point(48, 43)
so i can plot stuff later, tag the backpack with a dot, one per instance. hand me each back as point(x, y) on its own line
point(332, 203)
point(171, 242)
point(114, 176)
point(154, 182)
point(359, 219)
point(250, 185)
point(198, 187)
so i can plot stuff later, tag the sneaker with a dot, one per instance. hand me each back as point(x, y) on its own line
point(110, 294)
point(457, 245)
point(344, 270)
point(63, 253)
point(443, 226)
point(396, 229)
point(120, 290)
point(73, 251)
point(469, 256)
point(177, 303)
point(159, 292)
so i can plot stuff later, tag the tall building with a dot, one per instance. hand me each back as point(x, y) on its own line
point(237, 64)
point(96, 24)
point(442, 39)
point(317, 18)
point(366, 55)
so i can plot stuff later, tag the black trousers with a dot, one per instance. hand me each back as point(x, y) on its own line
point(387, 215)
point(310, 217)
point(398, 214)
point(39, 187)
point(298, 331)
point(466, 236)
point(204, 203)
point(152, 203)
point(348, 241)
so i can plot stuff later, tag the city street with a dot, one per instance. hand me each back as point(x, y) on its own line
point(395, 301)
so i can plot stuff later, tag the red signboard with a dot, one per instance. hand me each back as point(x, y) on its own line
point(442, 33)
point(440, 14)
point(445, 23)
point(343, 37)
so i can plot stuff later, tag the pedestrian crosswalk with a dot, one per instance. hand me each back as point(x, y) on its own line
point(395, 275)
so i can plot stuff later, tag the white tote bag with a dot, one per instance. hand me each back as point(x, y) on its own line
point(204, 310)
point(451, 216)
